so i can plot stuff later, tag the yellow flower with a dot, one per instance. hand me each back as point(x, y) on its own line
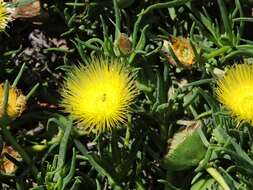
point(5, 15)
point(16, 102)
point(235, 91)
point(99, 95)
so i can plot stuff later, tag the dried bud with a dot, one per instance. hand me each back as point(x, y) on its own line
point(16, 102)
point(182, 49)
point(30, 12)
point(124, 44)
point(185, 150)
point(6, 166)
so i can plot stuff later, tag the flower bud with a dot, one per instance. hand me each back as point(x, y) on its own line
point(185, 150)
point(182, 49)
point(16, 102)
point(124, 44)
point(6, 166)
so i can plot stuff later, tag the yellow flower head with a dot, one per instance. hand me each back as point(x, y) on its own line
point(99, 95)
point(16, 102)
point(5, 15)
point(235, 91)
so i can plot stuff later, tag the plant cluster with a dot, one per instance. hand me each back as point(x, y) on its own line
point(127, 94)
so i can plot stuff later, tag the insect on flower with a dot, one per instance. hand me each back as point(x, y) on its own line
point(98, 96)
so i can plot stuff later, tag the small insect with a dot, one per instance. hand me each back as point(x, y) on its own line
point(104, 97)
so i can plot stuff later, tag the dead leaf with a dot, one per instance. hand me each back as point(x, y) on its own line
point(30, 12)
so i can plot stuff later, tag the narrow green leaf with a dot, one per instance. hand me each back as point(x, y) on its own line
point(63, 150)
point(71, 173)
point(76, 184)
point(96, 163)
point(226, 21)
point(18, 76)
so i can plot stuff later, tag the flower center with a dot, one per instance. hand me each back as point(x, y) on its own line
point(247, 100)
point(105, 103)
point(103, 99)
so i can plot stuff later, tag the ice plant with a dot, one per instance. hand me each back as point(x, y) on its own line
point(99, 95)
point(235, 91)
point(16, 102)
point(5, 15)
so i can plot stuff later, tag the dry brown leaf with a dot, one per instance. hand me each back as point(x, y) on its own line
point(30, 12)
point(6, 166)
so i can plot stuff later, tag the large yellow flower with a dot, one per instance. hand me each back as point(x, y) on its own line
point(235, 91)
point(5, 15)
point(99, 95)
point(16, 102)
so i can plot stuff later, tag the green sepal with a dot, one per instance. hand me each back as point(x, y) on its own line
point(187, 151)
point(205, 184)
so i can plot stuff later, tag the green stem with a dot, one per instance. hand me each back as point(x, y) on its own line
point(63, 150)
point(136, 29)
point(191, 100)
point(164, 5)
point(217, 176)
point(127, 136)
point(96, 163)
point(5, 98)
point(245, 19)
point(19, 76)
point(205, 114)
point(32, 91)
point(225, 19)
point(117, 18)
point(217, 52)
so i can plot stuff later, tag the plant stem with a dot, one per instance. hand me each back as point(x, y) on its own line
point(117, 19)
point(217, 52)
point(32, 91)
point(18, 76)
point(128, 128)
point(164, 5)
